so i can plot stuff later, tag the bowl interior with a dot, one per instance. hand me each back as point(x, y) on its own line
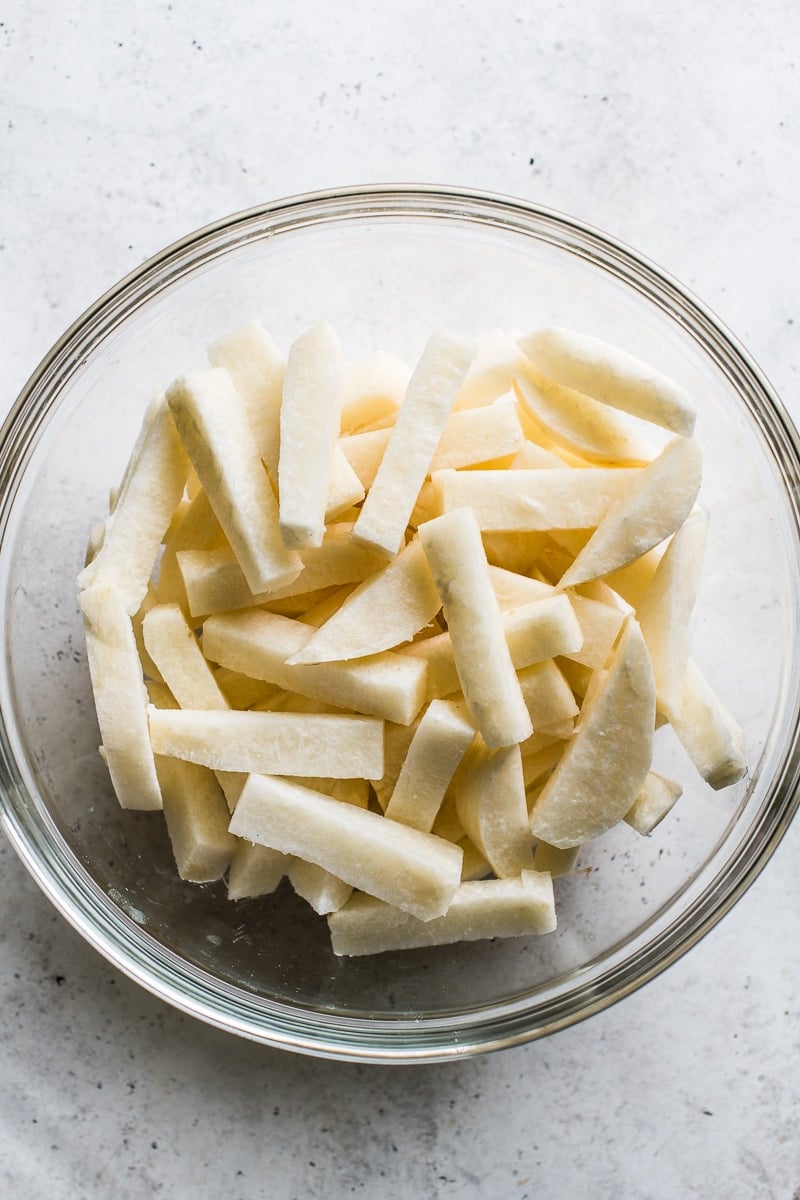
point(385, 277)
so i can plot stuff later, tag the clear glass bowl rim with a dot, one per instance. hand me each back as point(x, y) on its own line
point(75, 894)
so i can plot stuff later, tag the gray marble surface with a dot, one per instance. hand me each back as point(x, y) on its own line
point(676, 128)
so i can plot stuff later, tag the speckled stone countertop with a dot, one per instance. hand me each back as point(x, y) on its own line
point(674, 127)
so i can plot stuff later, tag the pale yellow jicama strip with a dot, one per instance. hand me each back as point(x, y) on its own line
point(595, 368)
point(197, 820)
point(243, 692)
point(214, 581)
point(255, 870)
point(344, 491)
point(547, 695)
point(534, 500)
point(491, 373)
point(553, 860)
point(396, 740)
point(271, 743)
point(415, 871)
point(385, 611)
point(258, 643)
point(654, 801)
point(582, 424)
point(150, 492)
point(120, 698)
point(323, 891)
point(666, 610)
point(485, 908)
point(173, 647)
point(214, 428)
point(532, 633)
point(475, 435)
point(513, 589)
point(632, 581)
point(481, 655)
point(256, 366)
point(605, 764)
point(439, 743)
point(149, 668)
point(646, 513)
point(600, 625)
point(310, 412)
point(709, 734)
point(198, 529)
point(372, 388)
point(415, 436)
point(490, 802)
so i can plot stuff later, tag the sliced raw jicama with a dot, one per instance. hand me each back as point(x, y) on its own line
point(666, 609)
point(310, 414)
point(482, 658)
point(150, 492)
point(594, 368)
point(532, 633)
point(556, 862)
point(490, 802)
point(198, 529)
point(323, 891)
point(491, 373)
point(479, 909)
point(173, 648)
point(535, 500)
point(439, 743)
point(213, 426)
point(646, 513)
point(709, 734)
point(197, 820)
point(396, 740)
point(415, 436)
point(215, 582)
point(547, 695)
point(255, 870)
point(513, 589)
point(605, 764)
point(120, 698)
point(372, 388)
point(654, 801)
point(256, 366)
point(583, 425)
point(417, 872)
point(600, 625)
point(388, 685)
point(384, 611)
point(271, 743)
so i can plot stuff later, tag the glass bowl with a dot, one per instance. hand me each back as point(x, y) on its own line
point(387, 265)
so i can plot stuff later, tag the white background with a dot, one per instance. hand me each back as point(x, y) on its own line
point(675, 127)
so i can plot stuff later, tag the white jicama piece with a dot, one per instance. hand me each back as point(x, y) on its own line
point(600, 625)
point(364, 452)
point(547, 695)
point(384, 611)
point(654, 801)
point(666, 610)
point(372, 388)
point(406, 461)
point(255, 870)
point(414, 871)
point(396, 740)
point(256, 366)
point(214, 581)
point(644, 514)
point(150, 492)
point(439, 743)
point(474, 865)
point(197, 820)
point(485, 908)
point(556, 862)
point(532, 632)
point(120, 698)
point(535, 500)
point(709, 734)
point(539, 763)
point(197, 529)
point(326, 893)
point(584, 425)
point(491, 373)
point(310, 414)
point(605, 764)
point(482, 658)
point(513, 589)
point(242, 692)
point(213, 426)
point(257, 643)
point(173, 647)
point(490, 802)
point(270, 743)
point(344, 490)
point(593, 367)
